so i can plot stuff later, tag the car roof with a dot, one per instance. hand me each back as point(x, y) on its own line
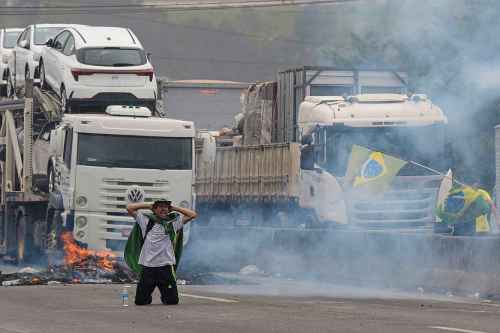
point(107, 36)
point(51, 25)
point(12, 29)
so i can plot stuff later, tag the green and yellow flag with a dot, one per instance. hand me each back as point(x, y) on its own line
point(371, 172)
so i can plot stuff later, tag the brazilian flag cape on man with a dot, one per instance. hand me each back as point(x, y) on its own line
point(135, 241)
point(370, 172)
point(465, 204)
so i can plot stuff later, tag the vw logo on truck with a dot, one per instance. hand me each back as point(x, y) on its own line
point(135, 194)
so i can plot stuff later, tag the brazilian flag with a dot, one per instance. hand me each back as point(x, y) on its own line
point(370, 172)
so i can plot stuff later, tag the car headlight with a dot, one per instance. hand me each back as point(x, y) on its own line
point(81, 222)
point(80, 234)
point(184, 204)
point(81, 201)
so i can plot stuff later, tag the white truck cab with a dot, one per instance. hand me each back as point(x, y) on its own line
point(101, 162)
point(408, 127)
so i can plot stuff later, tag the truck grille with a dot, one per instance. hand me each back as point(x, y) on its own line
point(111, 226)
point(113, 193)
point(409, 203)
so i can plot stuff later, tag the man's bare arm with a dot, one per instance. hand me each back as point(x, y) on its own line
point(134, 207)
point(188, 214)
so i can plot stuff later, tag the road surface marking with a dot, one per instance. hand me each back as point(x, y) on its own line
point(216, 299)
point(452, 329)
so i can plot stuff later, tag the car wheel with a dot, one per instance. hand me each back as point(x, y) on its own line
point(43, 82)
point(64, 101)
point(52, 179)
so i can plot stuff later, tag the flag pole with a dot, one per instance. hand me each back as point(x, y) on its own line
point(436, 172)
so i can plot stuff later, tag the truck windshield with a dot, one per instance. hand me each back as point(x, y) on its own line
point(43, 34)
point(112, 57)
point(424, 145)
point(136, 152)
point(10, 39)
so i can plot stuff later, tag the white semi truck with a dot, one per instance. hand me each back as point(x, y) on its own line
point(297, 179)
point(77, 172)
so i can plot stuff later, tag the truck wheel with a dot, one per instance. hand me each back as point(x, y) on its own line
point(24, 233)
point(3, 91)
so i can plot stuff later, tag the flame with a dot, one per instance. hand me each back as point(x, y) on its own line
point(74, 254)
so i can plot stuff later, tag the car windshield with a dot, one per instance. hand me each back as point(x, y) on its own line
point(135, 152)
point(10, 39)
point(423, 144)
point(112, 57)
point(43, 34)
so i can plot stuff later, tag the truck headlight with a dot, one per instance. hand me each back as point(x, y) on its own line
point(81, 222)
point(184, 204)
point(81, 201)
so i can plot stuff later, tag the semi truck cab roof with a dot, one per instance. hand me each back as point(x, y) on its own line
point(124, 125)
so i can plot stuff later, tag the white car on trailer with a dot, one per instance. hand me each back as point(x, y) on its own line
point(98, 67)
point(23, 64)
point(8, 39)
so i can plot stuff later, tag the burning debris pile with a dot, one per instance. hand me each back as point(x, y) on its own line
point(79, 265)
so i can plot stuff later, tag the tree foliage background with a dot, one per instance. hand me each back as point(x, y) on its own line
point(449, 47)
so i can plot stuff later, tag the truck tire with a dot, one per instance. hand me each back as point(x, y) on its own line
point(24, 236)
point(3, 91)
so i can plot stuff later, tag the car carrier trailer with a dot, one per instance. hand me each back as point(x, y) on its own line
point(77, 172)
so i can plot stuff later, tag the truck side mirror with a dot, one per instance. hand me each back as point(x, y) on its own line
point(307, 158)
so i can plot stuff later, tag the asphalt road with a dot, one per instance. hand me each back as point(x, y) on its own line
point(270, 307)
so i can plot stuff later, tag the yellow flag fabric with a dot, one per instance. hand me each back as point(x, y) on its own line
point(370, 172)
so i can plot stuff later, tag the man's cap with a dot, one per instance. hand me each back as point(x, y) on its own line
point(162, 201)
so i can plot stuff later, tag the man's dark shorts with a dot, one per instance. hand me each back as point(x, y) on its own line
point(161, 277)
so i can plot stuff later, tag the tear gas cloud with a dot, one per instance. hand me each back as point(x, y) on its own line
point(450, 48)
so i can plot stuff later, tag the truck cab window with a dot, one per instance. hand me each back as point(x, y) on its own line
point(68, 147)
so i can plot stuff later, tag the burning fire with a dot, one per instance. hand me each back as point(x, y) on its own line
point(75, 255)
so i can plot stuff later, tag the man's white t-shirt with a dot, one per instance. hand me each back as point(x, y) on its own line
point(157, 250)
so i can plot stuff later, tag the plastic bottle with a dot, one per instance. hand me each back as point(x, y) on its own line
point(124, 295)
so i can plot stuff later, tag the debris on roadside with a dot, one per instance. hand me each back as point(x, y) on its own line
point(80, 266)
